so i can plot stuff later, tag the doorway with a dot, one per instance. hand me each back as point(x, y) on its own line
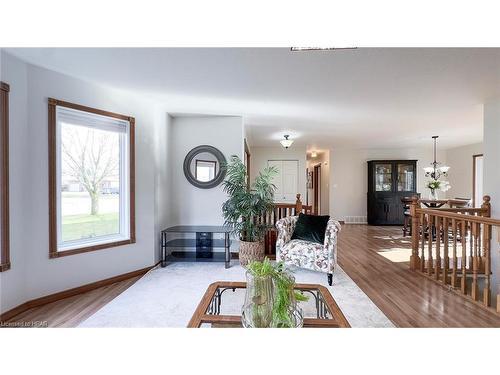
point(317, 189)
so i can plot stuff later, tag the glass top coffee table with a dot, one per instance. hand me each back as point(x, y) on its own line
point(221, 307)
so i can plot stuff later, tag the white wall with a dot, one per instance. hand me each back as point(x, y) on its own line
point(459, 160)
point(163, 180)
point(191, 205)
point(349, 176)
point(492, 180)
point(33, 274)
point(13, 281)
point(260, 156)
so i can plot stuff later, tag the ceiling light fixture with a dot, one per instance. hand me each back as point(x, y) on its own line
point(286, 142)
point(300, 49)
point(436, 171)
point(314, 154)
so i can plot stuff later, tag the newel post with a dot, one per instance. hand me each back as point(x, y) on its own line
point(486, 206)
point(298, 205)
point(415, 232)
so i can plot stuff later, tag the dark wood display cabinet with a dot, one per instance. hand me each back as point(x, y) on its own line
point(388, 182)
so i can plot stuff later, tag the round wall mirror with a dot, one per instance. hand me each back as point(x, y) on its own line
point(204, 167)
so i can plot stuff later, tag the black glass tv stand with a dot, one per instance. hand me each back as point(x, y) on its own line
point(180, 243)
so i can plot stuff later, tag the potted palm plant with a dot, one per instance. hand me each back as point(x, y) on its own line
point(245, 203)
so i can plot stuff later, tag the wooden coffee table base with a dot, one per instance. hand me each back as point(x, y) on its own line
point(202, 316)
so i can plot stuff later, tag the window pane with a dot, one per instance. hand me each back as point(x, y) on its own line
point(383, 177)
point(406, 175)
point(90, 183)
point(205, 170)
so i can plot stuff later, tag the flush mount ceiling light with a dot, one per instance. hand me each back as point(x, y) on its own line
point(300, 49)
point(286, 142)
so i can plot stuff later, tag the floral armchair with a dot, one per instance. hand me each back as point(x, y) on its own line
point(305, 254)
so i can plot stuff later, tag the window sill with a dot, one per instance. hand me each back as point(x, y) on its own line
point(86, 249)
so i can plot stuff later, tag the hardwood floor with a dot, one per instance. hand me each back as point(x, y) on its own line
point(71, 311)
point(374, 257)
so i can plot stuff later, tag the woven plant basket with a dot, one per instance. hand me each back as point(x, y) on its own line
point(250, 251)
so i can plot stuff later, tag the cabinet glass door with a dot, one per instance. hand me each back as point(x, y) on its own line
point(406, 177)
point(383, 177)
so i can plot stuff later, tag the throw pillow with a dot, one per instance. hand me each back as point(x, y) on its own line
point(310, 228)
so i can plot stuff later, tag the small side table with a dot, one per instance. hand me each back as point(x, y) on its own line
point(184, 248)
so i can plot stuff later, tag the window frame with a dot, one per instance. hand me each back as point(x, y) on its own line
point(53, 180)
point(4, 166)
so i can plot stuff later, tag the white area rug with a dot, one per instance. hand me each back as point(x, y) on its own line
point(167, 297)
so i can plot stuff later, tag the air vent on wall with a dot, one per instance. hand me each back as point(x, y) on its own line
point(355, 220)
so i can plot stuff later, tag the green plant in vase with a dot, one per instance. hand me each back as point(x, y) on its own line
point(285, 298)
point(246, 203)
point(276, 309)
point(435, 185)
point(257, 310)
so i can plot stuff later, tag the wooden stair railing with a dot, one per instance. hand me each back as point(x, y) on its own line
point(279, 211)
point(453, 246)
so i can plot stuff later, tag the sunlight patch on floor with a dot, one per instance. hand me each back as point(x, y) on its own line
point(396, 255)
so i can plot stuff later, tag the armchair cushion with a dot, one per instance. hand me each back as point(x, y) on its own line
point(310, 228)
point(306, 254)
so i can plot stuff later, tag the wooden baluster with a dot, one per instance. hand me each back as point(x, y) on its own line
point(455, 260)
point(446, 259)
point(422, 239)
point(498, 290)
point(471, 244)
point(430, 264)
point(437, 262)
point(474, 236)
point(487, 264)
point(463, 281)
point(480, 264)
point(414, 258)
point(486, 212)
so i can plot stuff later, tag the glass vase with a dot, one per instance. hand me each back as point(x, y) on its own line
point(286, 312)
point(433, 194)
point(257, 311)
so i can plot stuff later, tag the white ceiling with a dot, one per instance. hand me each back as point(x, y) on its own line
point(367, 97)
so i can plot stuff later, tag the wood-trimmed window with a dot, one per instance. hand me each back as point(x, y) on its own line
point(91, 179)
point(4, 177)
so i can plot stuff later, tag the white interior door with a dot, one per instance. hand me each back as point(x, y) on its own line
point(286, 180)
point(277, 180)
point(290, 180)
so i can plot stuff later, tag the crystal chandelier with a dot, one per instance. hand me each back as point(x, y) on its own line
point(436, 171)
point(286, 142)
